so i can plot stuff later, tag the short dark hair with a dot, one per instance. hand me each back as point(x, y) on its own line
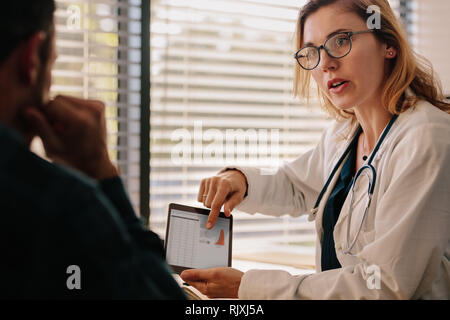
point(19, 19)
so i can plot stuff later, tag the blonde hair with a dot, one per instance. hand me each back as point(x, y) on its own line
point(408, 69)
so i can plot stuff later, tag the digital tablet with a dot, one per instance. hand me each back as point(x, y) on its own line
point(189, 244)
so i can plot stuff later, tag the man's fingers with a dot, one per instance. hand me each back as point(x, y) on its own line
point(59, 109)
point(79, 102)
point(65, 108)
point(42, 127)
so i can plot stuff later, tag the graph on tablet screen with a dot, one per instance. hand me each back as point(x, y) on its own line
point(191, 245)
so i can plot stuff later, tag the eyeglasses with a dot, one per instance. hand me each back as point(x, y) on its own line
point(336, 46)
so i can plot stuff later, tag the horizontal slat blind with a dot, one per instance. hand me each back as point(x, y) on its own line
point(430, 24)
point(98, 44)
point(218, 67)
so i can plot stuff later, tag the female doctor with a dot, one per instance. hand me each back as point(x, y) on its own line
point(378, 182)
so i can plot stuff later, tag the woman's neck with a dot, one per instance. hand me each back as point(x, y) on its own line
point(373, 120)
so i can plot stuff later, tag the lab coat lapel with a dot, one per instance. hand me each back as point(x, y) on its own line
point(341, 147)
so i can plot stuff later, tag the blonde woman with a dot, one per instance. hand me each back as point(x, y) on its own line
point(378, 182)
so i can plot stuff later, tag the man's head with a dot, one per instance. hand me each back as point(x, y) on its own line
point(27, 54)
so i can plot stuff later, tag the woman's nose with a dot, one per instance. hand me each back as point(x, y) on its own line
point(327, 62)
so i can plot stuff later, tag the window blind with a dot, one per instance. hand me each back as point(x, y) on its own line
point(429, 25)
point(219, 66)
point(98, 45)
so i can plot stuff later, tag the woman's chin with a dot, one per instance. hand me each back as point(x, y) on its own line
point(343, 105)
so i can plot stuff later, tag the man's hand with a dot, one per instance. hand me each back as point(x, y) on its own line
point(219, 282)
point(74, 133)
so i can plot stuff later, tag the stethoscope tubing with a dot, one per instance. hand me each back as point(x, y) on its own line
point(350, 212)
point(371, 186)
point(341, 159)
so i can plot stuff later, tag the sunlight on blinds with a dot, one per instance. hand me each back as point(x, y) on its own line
point(430, 35)
point(98, 45)
point(222, 69)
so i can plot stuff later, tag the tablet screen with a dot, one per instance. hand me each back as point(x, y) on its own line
point(190, 245)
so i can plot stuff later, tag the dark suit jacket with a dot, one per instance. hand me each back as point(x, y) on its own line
point(52, 218)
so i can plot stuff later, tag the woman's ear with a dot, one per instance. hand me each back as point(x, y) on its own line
point(30, 61)
point(390, 53)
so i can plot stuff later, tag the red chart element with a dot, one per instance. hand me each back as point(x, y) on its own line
point(221, 241)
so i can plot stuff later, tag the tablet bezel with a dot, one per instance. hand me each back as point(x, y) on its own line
point(203, 211)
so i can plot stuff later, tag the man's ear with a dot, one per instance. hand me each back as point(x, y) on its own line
point(30, 62)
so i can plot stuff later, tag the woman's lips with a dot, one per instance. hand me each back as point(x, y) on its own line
point(339, 89)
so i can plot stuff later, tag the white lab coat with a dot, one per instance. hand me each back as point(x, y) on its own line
point(406, 234)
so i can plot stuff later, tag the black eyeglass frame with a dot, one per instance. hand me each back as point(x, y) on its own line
point(349, 34)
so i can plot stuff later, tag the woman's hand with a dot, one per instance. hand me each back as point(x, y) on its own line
point(227, 188)
point(221, 282)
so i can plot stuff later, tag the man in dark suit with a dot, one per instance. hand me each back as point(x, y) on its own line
point(68, 229)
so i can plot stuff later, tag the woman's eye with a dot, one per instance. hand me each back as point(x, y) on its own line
point(311, 54)
point(340, 41)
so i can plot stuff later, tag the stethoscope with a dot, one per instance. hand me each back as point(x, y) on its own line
point(366, 170)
